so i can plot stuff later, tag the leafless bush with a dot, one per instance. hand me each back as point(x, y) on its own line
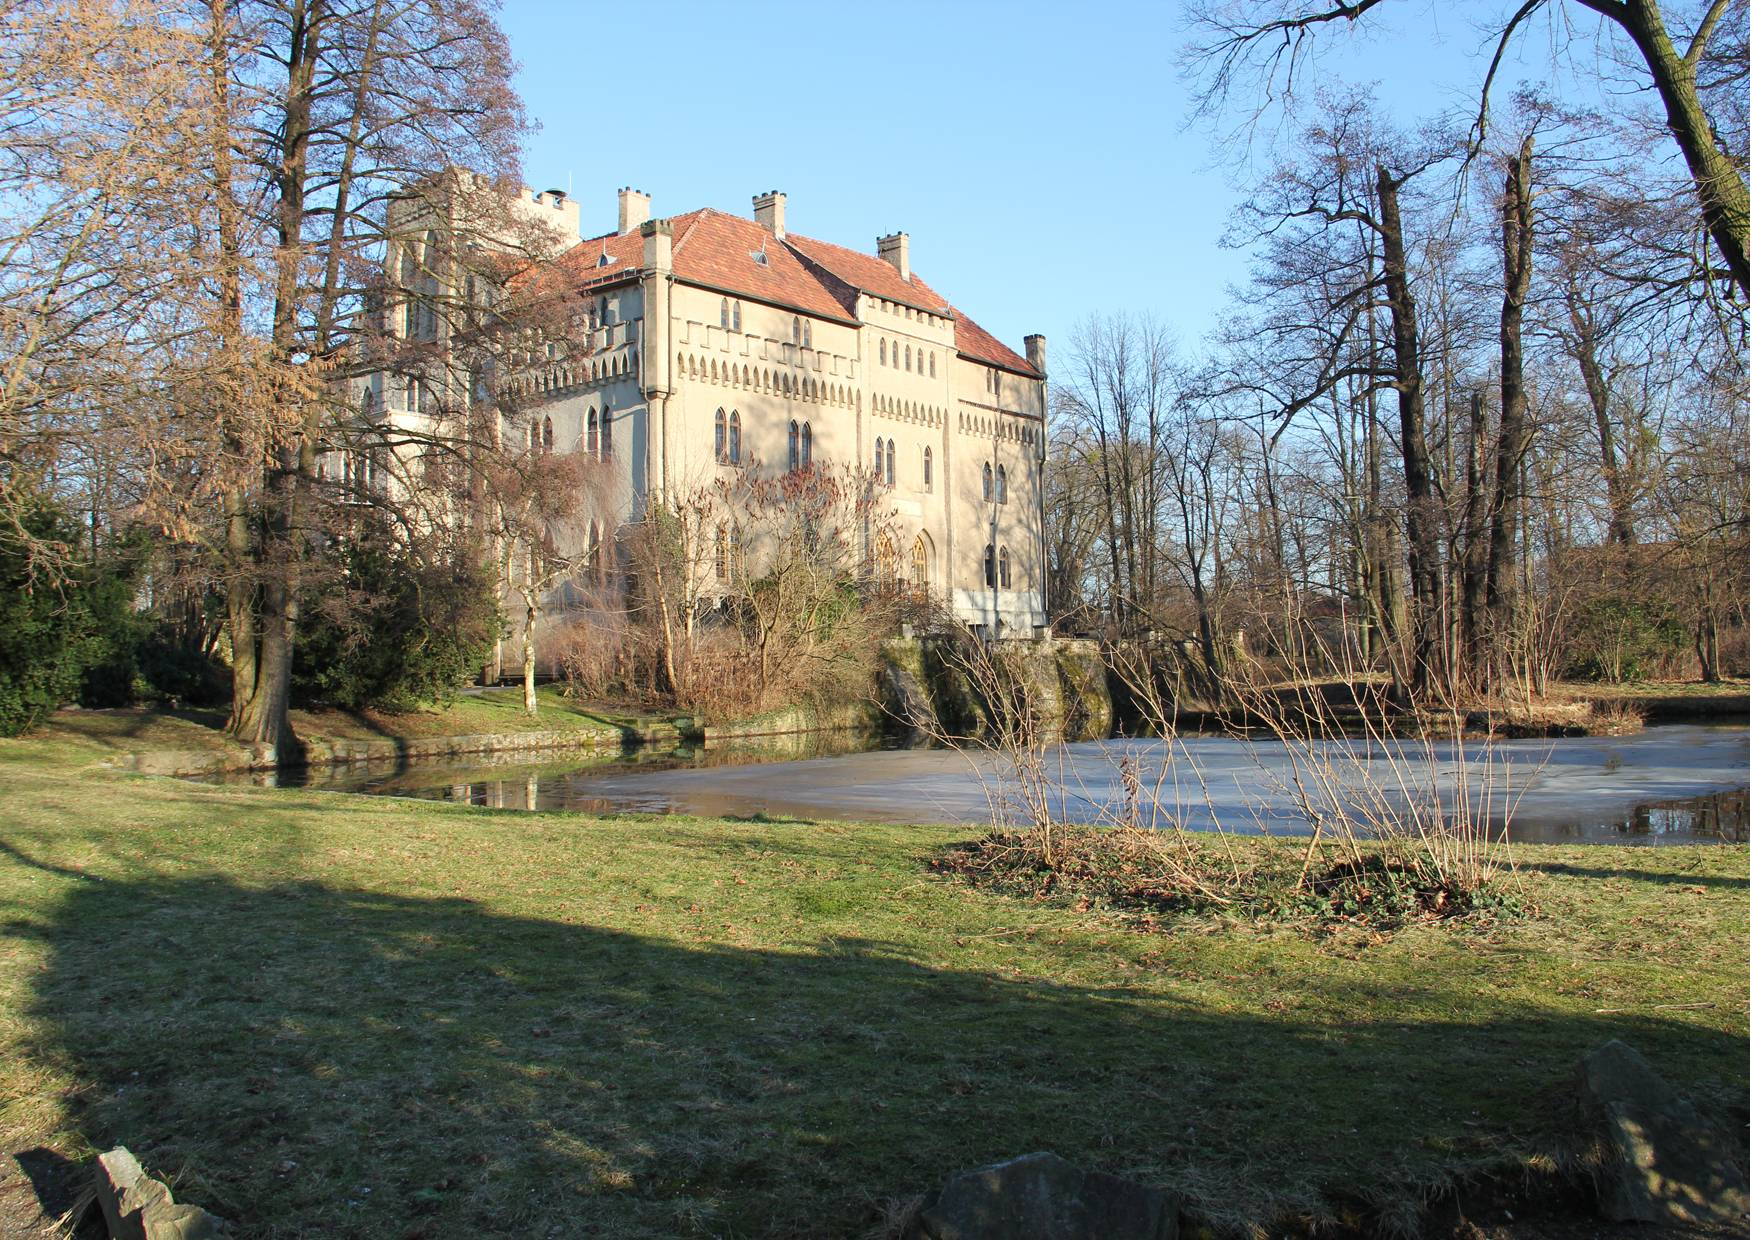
point(1396, 828)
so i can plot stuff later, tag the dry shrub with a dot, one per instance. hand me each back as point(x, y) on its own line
point(598, 655)
point(1389, 839)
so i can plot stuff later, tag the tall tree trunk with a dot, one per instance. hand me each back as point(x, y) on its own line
point(265, 717)
point(1586, 349)
point(240, 579)
point(1421, 516)
point(1473, 575)
point(1514, 440)
point(1725, 201)
point(531, 613)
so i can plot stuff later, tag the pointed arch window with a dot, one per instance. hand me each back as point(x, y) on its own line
point(880, 458)
point(723, 315)
point(592, 441)
point(920, 563)
point(932, 364)
point(795, 445)
point(734, 437)
point(929, 471)
point(884, 350)
point(886, 563)
point(1003, 569)
point(891, 454)
point(807, 335)
point(607, 434)
point(989, 485)
point(908, 357)
point(807, 445)
point(546, 434)
point(1002, 485)
point(720, 443)
point(990, 566)
point(735, 317)
point(795, 330)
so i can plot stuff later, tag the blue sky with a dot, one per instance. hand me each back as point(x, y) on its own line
point(1037, 153)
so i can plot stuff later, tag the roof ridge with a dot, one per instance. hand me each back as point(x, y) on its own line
point(692, 224)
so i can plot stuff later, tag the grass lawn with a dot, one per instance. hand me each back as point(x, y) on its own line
point(319, 1014)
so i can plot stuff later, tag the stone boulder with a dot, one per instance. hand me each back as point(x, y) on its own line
point(1661, 1163)
point(137, 1207)
point(1043, 1197)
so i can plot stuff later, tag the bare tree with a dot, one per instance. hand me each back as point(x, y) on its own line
point(1265, 46)
point(322, 120)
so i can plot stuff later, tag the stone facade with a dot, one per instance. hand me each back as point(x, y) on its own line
point(806, 351)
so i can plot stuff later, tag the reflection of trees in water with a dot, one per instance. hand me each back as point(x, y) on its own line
point(514, 784)
point(1718, 815)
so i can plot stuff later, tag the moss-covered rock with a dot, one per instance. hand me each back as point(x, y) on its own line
point(926, 687)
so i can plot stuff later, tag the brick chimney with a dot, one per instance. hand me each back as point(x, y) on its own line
point(634, 210)
point(768, 213)
point(896, 249)
point(1035, 352)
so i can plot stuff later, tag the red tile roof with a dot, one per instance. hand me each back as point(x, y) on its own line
point(971, 340)
point(870, 273)
point(717, 251)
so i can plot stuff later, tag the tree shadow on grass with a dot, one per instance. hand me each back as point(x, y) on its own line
point(312, 1060)
point(1667, 878)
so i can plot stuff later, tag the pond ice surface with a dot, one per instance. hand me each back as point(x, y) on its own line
point(1681, 782)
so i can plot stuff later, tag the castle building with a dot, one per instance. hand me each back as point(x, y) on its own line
point(717, 342)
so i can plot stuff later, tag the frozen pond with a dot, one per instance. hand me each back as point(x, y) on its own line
point(1677, 783)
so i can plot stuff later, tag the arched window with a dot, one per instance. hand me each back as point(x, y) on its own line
point(807, 445)
point(920, 564)
point(723, 314)
point(734, 437)
point(929, 471)
point(593, 556)
point(990, 566)
point(795, 331)
point(890, 456)
point(546, 434)
point(884, 351)
point(607, 434)
point(592, 442)
point(1002, 485)
point(795, 445)
point(880, 458)
point(1003, 569)
point(722, 556)
point(932, 364)
point(720, 444)
point(735, 317)
point(908, 357)
point(987, 482)
point(808, 335)
point(886, 563)
point(534, 437)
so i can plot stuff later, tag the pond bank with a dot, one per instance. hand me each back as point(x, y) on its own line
point(193, 742)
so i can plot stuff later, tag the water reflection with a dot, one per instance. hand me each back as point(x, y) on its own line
point(1683, 783)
